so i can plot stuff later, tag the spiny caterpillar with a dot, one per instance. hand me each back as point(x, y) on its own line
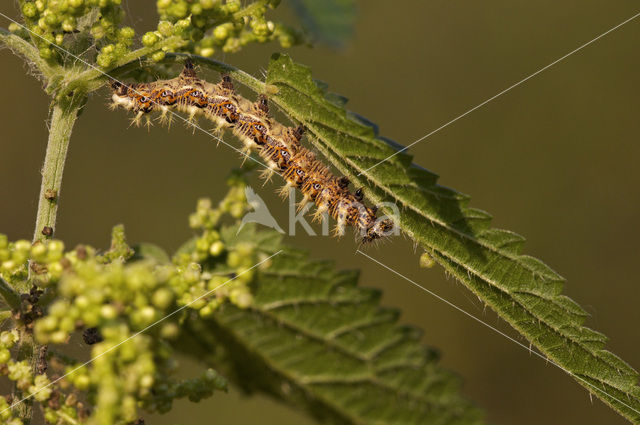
point(278, 145)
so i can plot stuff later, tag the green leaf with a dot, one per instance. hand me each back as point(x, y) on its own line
point(149, 251)
point(329, 21)
point(521, 289)
point(313, 337)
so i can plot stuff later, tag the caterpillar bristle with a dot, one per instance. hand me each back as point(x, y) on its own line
point(283, 192)
point(189, 70)
point(266, 175)
point(278, 146)
point(226, 82)
point(262, 104)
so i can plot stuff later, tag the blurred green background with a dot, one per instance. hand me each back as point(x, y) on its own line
point(555, 159)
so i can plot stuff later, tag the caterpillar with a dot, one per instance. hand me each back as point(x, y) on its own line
point(278, 145)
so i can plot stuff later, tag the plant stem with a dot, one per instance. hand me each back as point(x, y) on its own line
point(64, 112)
point(63, 115)
point(26, 50)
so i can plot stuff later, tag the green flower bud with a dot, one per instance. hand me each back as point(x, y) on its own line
point(59, 337)
point(126, 33)
point(162, 298)
point(169, 331)
point(207, 52)
point(216, 248)
point(69, 24)
point(221, 32)
point(29, 10)
point(40, 389)
point(196, 9)
point(209, 4)
point(149, 39)
point(165, 28)
point(108, 312)
point(158, 56)
point(241, 297)
point(82, 382)
point(232, 6)
point(5, 355)
point(9, 338)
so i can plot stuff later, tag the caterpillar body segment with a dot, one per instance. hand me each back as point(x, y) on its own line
point(278, 145)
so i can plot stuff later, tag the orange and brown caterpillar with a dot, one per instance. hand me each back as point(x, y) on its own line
point(278, 145)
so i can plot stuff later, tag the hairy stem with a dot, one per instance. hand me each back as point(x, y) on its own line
point(63, 115)
point(64, 112)
point(25, 49)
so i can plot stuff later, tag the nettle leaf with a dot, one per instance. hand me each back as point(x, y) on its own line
point(521, 289)
point(314, 338)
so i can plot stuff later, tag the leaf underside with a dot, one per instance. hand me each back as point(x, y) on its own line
point(314, 338)
point(521, 289)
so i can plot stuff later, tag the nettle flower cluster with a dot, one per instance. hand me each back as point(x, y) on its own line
point(194, 26)
point(227, 26)
point(128, 305)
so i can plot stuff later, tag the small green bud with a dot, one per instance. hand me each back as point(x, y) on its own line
point(69, 24)
point(207, 52)
point(165, 28)
point(162, 298)
point(104, 60)
point(149, 39)
point(182, 25)
point(9, 338)
point(56, 246)
point(169, 330)
point(58, 337)
point(196, 9)
point(5, 355)
point(232, 6)
point(221, 32)
point(209, 4)
point(22, 245)
point(108, 312)
point(126, 33)
point(82, 382)
point(29, 10)
point(216, 248)
point(158, 56)
point(241, 297)
point(51, 20)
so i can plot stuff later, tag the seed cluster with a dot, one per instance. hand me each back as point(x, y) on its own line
point(278, 145)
